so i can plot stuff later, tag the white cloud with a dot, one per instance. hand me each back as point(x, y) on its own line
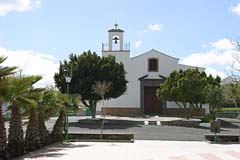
point(138, 43)
point(212, 57)
point(151, 27)
point(236, 9)
point(221, 55)
point(7, 6)
point(32, 63)
point(224, 44)
point(155, 27)
point(214, 72)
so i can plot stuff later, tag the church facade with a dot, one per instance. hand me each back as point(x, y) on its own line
point(144, 73)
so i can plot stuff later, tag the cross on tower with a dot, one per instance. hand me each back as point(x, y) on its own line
point(115, 26)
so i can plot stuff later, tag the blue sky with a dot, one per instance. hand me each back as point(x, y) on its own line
point(45, 31)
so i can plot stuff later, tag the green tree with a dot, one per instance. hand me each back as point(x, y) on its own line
point(18, 97)
point(88, 68)
point(214, 98)
point(231, 92)
point(4, 72)
point(187, 89)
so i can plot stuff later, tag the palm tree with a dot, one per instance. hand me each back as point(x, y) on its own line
point(45, 109)
point(63, 101)
point(56, 134)
point(76, 105)
point(4, 72)
point(32, 138)
point(18, 97)
point(49, 103)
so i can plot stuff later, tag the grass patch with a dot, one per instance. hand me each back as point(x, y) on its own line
point(230, 109)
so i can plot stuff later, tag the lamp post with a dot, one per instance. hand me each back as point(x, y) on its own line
point(20, 71)
point(68, 81)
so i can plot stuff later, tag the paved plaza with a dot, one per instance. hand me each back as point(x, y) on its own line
point(147, 132)
point(143, 132)
point(152, 142)
point(139, 150)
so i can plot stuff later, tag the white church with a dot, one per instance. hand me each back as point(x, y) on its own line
point(145, 73)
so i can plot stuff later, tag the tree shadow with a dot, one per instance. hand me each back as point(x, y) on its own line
point(52, 151)
point(42, 155)
point(222, 129)
point(227, 124)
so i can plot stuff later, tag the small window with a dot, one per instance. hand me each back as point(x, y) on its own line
point(153, 65)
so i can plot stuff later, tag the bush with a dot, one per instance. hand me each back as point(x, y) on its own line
point(208, 118)
point(7, 117)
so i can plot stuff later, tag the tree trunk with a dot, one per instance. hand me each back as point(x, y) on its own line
point(57, 132)
point(15, 137)
point(43, 132)
point(32, 140)
point(103, 120)
point(186, 110)
point(189, 111)
point(93, 108)
point(235, 103)
point(93, 113)
point(3, 137)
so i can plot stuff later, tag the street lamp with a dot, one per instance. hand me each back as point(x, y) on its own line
point(68, 81)
point(20, 71)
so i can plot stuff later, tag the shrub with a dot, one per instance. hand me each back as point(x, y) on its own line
point(208, 118)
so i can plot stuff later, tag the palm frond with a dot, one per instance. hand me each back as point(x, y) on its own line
point(6, 71)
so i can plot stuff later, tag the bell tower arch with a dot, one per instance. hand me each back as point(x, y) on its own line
point(116, 45)
point(115, 38)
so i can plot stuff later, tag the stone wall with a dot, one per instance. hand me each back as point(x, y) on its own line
point(181, 112)
point(117, 111)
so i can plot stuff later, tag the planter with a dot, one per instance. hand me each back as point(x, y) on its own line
point(85, 122)
point(97, 137)
point(223, 138)
point(183, 123)
point(215, 126)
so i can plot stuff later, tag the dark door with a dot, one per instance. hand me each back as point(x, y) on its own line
point(152, 104)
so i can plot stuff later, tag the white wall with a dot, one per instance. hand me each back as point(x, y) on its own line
point(121, 56)
point(137, 67)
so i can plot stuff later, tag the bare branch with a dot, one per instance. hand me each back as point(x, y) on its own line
point(235, 66)
point(101, 88)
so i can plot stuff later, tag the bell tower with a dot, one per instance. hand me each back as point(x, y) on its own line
point(115, 38)
point(115, 46)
